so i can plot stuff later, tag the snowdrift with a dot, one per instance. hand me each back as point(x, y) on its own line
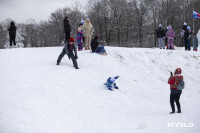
point(36, 96)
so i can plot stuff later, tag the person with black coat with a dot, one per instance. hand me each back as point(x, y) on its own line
point(67, 28)
point(190, 37)
point(96, 47)
point(12, 33)
point(71, 51)
point(160, 35)
point(185, 35)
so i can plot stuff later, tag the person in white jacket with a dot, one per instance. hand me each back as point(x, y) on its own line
point(87, 32)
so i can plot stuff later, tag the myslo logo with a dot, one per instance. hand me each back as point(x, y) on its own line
point(180, 124)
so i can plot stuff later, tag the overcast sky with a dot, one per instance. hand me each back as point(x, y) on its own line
point(21, 10)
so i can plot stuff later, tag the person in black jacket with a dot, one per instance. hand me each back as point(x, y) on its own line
point(68, 49)
point(96, 47)
point(190, 37)
point(12, 33)
point(185, 35)
point(160, 35)
point(67, 28)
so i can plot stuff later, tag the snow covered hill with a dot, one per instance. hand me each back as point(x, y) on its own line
point(37, 96)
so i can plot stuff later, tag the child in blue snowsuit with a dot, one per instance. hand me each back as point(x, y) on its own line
point(111, 83)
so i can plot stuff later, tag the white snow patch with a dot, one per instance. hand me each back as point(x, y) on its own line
point(37, 96)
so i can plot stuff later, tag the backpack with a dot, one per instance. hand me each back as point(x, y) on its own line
point(181, 84)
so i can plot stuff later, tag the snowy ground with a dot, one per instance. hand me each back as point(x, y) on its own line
point(36, 96)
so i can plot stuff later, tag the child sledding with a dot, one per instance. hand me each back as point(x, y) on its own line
point(110, 84)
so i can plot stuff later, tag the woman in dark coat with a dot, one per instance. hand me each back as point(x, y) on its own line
point(12, 33)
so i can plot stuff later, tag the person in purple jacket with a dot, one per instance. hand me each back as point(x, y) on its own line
point(170, 37)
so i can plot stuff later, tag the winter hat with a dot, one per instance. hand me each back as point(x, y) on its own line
point(184, 27)
point(96, 37)
point(185, 23)
point(188, 27)
point(87, 20)
point(112, 79)
point(12, 23)
point(80, 24)
point(82, 21)
point(178, 71)
point(66, 17)
point(160, 25)
point(71, 39)
point(169, 27)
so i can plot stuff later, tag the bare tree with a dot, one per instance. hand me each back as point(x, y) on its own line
point(3, 36)
point(131, 23)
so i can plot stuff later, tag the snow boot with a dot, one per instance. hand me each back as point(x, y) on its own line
point(57, 63)
point(172, 112)
point(179, 111)
point(76, 68)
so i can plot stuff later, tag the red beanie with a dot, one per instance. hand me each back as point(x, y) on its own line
point(178, 71)
point(71, 39)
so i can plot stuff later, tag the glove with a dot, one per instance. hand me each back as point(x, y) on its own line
point(76, 56)
point(116, 87)
point(110, 89)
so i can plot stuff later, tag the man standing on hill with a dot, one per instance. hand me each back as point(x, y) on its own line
point(12, 34)
point(67, 28)
point(160, 35)
point(185, 35)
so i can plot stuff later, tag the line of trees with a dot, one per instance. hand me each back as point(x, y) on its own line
point(134, 22)
point(130, 23)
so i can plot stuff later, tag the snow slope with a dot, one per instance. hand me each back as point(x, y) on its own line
point(36, 96)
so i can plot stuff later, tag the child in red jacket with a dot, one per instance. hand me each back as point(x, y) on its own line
point(175, 93)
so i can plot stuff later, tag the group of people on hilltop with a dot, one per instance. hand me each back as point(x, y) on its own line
point(167, 37)
point(187, 35)
point(84, 34)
